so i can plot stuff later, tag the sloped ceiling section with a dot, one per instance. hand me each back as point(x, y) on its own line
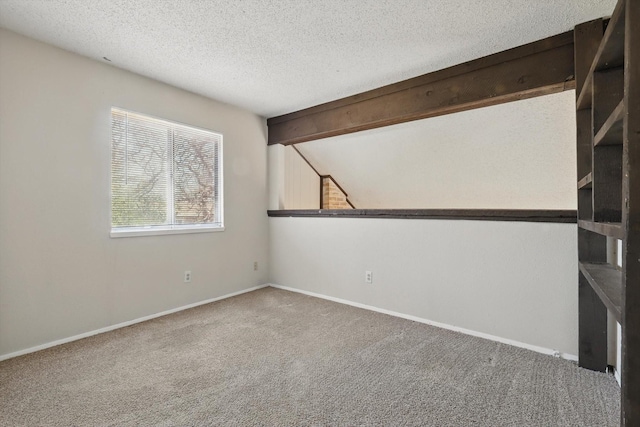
point(277, 56)
point(519, 155)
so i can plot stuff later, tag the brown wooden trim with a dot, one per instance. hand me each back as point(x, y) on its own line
point(535, 69)
point(611, 229)
point(559, 216)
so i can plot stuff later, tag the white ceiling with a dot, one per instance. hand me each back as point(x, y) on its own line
point(277, 56)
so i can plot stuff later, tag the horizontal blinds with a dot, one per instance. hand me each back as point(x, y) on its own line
point(195, 160)
point(163, 173)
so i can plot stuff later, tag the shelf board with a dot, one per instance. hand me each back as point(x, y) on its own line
point(610, 54)
point(611, 131)
point(606, 281)
point(611, 229)
point(586, 182)
point(585, 97)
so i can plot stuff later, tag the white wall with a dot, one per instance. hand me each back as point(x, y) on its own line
point(518, 155)
point(293, 184)
point(512, 280)
point(302, 183)
point(60, 273)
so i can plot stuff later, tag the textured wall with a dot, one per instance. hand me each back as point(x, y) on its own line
point(302, 183)
point(60, 273)
point(519, 155)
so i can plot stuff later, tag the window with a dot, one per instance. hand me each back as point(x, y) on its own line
point(165, 177)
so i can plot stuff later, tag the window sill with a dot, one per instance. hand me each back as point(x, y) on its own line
point(156, 231)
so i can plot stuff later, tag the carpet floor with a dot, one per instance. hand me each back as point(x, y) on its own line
point(277, 358)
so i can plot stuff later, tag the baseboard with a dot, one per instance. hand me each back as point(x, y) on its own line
point(124, 324)
point(514, 343)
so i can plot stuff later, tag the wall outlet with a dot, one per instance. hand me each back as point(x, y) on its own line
point(187, 276)
point(255, 265)
point(368, 277)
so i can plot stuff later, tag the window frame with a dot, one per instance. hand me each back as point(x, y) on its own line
point(155, 230)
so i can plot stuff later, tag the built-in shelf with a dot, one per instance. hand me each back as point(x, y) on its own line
point(586, 94)
point(608, 145)
point(606, 281)
point(611, 51)
point(586, 182)
point(611, 229)
point(611, 131)
point(610, 54)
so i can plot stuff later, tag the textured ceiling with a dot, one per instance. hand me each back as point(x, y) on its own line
point(278, 56)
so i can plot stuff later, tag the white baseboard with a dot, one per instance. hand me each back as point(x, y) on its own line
point(531, 347)
point(124, 324)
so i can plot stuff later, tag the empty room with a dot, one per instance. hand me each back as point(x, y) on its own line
point(331, 212)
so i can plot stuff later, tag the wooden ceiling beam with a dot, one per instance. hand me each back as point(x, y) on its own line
point(539, 68)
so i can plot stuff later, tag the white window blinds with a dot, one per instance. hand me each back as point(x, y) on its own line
point(164, 175)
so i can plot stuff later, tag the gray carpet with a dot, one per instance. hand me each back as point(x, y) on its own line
point(273, 357)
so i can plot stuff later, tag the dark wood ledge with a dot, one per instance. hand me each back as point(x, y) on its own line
point(526, 215)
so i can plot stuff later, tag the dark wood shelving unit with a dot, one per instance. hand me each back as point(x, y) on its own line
point(610, 54)
point(609, 229)
point(585, 183)
point(607, 70)
point(611, 131)
point(605, 280)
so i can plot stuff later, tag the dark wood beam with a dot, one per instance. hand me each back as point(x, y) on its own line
point(534, 69)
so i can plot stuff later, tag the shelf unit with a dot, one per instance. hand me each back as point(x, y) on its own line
point(607, 72)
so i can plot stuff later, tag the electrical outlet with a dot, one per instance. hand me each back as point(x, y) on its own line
point(368, 277)
point(187, 276)
point(255, 265)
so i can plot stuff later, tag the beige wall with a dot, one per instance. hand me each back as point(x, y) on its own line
point(302, 183)
point(293, 184)
point(513, 280)
point(60, 273)
point(518, 155)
